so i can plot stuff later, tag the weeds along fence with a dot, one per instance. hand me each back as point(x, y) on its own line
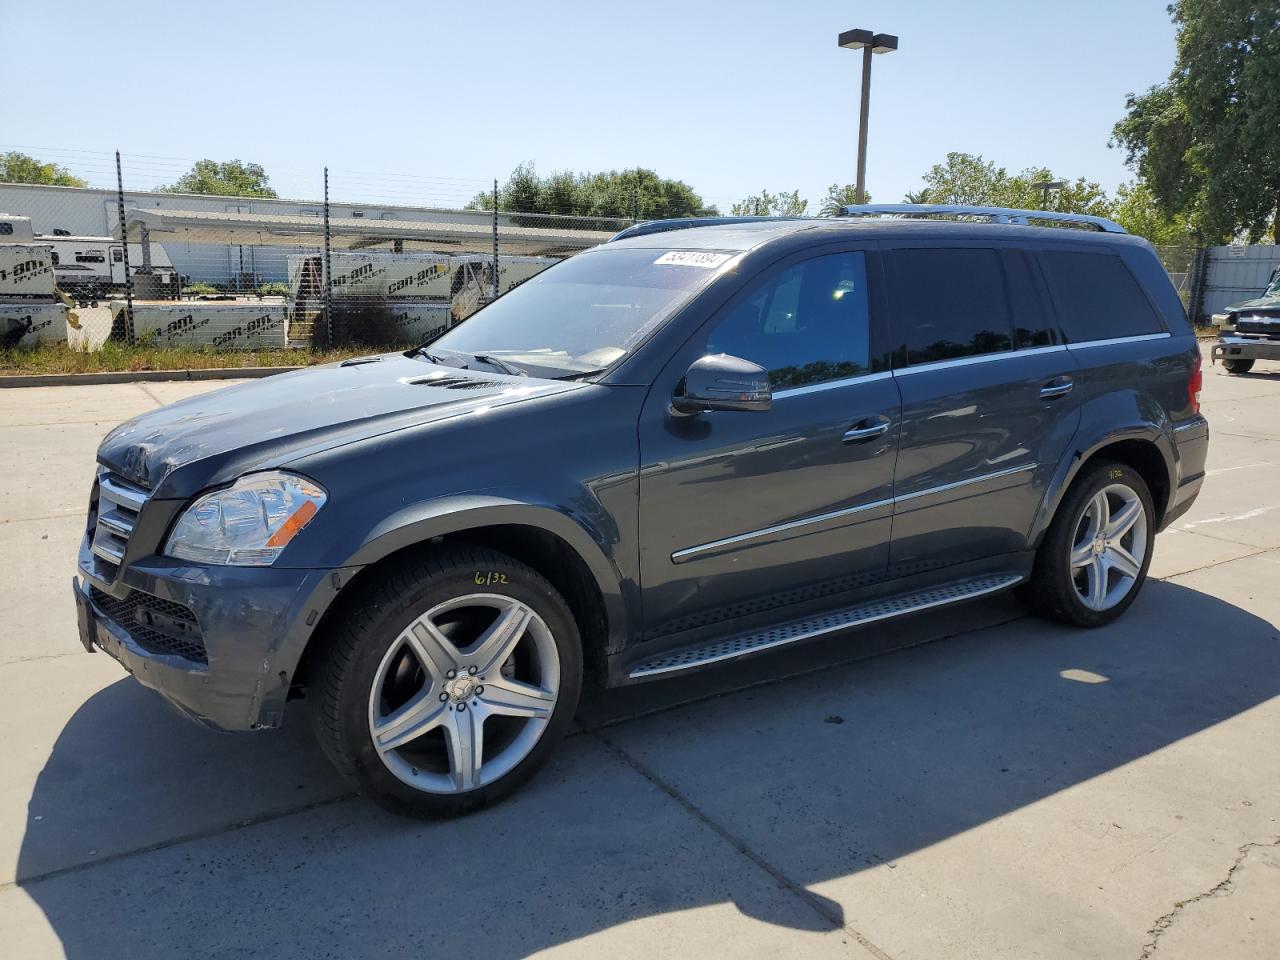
point(372, 259)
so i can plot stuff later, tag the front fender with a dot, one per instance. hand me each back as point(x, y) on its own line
point(1092, 437)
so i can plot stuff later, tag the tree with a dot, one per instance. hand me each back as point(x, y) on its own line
point(637, 193)
point(766, 204)
point(1136, 210)
point(838, 197)
point(20, 168)
point(1207, 140)
point(229, 179)
point(969, 180)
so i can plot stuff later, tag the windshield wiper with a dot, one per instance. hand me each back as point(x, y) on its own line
point(502, 365)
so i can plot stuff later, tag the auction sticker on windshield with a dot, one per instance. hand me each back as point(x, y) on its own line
point(694, 258)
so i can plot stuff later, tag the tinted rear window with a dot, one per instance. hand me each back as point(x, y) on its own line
point(1096, 296)
point(948, 302)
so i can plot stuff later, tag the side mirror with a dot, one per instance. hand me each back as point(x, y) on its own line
point(721, 382)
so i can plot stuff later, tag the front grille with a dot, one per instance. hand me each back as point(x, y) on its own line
point(118, 504)
point(158, 626)
point(1262, 324)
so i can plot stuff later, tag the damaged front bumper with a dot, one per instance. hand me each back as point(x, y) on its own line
point(220, 643)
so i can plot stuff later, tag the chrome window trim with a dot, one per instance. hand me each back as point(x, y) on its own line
point(686, 553)
point(966, 482)
point(978, 358)
point(831, 384)
point(1136, 338)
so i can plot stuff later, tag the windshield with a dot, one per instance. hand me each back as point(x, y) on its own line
point(586, 313)
point(1274, 289)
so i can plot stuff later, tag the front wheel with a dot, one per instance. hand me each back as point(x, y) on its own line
point(1094, 558)
point(1238, 366)
point(449, 683)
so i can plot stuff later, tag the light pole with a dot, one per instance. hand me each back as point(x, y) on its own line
point(868, 43)
point(1044, 186)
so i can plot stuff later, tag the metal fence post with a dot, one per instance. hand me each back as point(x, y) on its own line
point(124, 243)
point(493, 287)
point(1199, 274)
point(326, 271)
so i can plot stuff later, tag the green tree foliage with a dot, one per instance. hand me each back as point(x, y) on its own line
point(1135, 208)
point(970, 180)
point(1207, 140)
point(633, 193)
point(838, 197)
point(766, 204)
point(20, 168)
point(229, 179)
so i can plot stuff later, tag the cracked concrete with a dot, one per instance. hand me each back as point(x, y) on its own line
point(998, 788)
point(1232, 931)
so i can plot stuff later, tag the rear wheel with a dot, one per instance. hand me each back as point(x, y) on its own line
point(1095, 555)
point(1238, 366)
point(449, 684)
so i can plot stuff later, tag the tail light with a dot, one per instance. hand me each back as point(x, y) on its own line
point(1194, 383)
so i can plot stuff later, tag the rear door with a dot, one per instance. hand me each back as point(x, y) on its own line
point(988, 401)
point(742, 513)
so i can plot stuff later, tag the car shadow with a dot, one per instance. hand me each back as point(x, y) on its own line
point(822, 775)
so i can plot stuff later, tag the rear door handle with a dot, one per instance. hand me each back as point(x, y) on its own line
point(865, 430)
point(1057, 387)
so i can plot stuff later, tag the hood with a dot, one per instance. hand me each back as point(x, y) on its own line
point(1264, 304)
point(263, 424)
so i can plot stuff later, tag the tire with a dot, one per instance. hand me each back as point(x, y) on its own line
point(1237, 366)
point(374, 672)
point(1063, 588)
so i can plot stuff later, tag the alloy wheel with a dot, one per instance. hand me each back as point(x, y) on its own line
point(1109, 546)
point(464, 693)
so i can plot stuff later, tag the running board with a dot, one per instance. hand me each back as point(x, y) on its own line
point(739, 645)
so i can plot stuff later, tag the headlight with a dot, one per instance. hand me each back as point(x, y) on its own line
point(248, 523)
point(1221, 319)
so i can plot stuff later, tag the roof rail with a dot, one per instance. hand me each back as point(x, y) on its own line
point(994, 214)
point(683, 223)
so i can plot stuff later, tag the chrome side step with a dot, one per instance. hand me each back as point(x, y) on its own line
point(729, 648)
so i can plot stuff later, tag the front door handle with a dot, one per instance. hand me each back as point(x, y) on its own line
point(1057, 387)
point(865, 430)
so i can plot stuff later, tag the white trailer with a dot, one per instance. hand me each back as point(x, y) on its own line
point(91, 267)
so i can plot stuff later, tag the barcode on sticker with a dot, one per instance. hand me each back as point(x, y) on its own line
point(693, 258)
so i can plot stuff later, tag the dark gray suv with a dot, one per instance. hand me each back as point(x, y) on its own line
point(681, 447)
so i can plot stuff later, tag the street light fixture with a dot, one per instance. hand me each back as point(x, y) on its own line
point(868, 43)
point(1044, 186)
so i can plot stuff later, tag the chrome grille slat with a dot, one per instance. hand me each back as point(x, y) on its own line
point(119, 503)
point(698, 655)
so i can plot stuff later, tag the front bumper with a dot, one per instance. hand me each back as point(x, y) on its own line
point(253, 623)
point(1245, 348)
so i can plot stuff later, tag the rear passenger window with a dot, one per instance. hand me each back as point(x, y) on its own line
point(948, 303)
point(1097, 297)
point(807, 323)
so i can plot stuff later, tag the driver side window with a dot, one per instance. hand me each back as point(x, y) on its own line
point(807, 323)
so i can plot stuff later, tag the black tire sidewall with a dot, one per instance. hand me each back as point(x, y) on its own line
point(1238, 366)
point(455, 578)
point(1054, 564)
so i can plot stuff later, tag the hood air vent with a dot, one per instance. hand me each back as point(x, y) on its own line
point(454, 383)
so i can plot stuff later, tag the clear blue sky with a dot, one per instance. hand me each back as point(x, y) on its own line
point(729, 96)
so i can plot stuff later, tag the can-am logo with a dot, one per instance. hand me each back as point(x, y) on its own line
point(421, 278)
point(26, 270)
point(360, 274)
point(183, 325)
point(249, 330)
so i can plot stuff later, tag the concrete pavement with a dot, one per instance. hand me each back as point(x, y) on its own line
point(1015, 790)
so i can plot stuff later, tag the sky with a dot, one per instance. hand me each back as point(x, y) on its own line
point(427, 102)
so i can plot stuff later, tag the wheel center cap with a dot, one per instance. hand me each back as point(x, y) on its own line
point(461, 688)
point(1099, 546)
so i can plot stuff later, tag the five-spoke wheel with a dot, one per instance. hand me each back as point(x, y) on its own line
point(1094, 557)
point(448, 682)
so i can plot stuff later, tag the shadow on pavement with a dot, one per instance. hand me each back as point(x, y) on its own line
point(930, 743)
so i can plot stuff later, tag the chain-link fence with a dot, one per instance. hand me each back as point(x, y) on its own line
point(373, 259)
point(151, 252)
